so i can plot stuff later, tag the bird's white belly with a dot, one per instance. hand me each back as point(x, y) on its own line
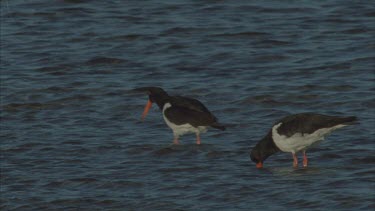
point(299, 141)
point(184, 128)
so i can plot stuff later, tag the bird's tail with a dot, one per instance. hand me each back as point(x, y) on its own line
point(218, 126)
point(348, 120)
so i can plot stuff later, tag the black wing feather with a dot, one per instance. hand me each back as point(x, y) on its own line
point(190, 103)
point(182, 115)
point(309, 122)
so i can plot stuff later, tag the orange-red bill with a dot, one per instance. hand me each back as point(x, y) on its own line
point(259, 165)
point(147, 108)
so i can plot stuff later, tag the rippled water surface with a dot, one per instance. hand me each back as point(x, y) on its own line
point(71, 135)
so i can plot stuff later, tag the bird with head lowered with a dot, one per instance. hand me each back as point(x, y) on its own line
point(297, 133)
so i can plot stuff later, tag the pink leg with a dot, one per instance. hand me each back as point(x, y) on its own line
point(304, 159)
point(175, 140)
point(198, 139)
point(295, 160)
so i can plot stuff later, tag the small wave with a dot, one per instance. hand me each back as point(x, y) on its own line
point(364, 172)
point(364, 59)
point(122, 38)
point(215, 154)
point(57, 89)
point(187, 169)
point(364, 160)
point(121, 184)
point(185, 31)
point(275, 42)
point(270, 58)
point(330, 155)
point(76, 10)
point(61, 69)
point(75, 98)
point(52, 104)
point(164, 151)
point(338, 66)
point(72, 142)
point(84, 180)
point(76, 1)
point(104, 60)
point(303, 203)
point(14, 150)
point(175, 47)
point(339, 20)
point(264, 99)
point(18, 106)
point(250, 34)
point(356, 31)
point(370, 14)
point(287, 10)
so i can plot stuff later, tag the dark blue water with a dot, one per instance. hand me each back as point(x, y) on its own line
point(71, 135)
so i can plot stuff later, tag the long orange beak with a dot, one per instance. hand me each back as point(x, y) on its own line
point(147, 108)
point(259, 165)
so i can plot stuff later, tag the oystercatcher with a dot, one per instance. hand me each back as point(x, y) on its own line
point(297, 133)
point(182, 114)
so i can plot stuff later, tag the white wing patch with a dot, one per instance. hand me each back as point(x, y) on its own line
point(299, 141)
point(179, 130)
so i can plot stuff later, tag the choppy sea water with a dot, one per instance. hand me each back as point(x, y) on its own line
point(71, 135)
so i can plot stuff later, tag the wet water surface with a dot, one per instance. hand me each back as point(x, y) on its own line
point(71, 135)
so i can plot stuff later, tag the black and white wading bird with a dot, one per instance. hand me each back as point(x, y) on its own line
point(297, 133)
point(182, 114)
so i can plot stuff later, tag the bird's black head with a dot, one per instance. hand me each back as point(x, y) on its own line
point(155, 95)
point(257, 157)
point(263, 149)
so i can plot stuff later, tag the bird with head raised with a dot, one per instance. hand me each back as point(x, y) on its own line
point(182, 114)
point(297, 133)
